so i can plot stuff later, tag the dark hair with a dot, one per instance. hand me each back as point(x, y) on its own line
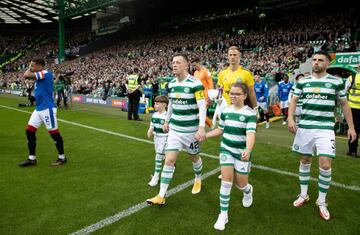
point(195, 60)
point(245, 90)
point(39, 61)
point(257, 72)
point(298, 76)
point(324, 53)
point(161, 99)
point(186, 58)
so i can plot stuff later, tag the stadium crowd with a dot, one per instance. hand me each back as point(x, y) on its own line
point(271, 46)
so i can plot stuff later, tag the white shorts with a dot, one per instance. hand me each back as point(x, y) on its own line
point(284, 104)
point(298, 110)
point(263, 106)
point(241, 167)
point(46, 116)
point(178, 141)
point(160, 144)
point(307, 139)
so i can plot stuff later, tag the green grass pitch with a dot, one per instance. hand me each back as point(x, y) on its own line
point(107, 174)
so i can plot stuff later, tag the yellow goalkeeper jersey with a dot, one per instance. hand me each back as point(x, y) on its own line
point(227, 77)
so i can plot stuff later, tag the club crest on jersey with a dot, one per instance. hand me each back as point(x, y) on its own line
point(296, 147)
point(242, 118)
point(223, 157)
point(316, 90)
point(327, 85)
point(238, 80)
point(186, 89)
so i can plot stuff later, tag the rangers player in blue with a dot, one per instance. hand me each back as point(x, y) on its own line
point(284, 89)
point(262, 93)
point(45, 112)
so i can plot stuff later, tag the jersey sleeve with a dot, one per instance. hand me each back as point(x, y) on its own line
point(222, 121)
point(220, 79)
point(199, 92)
point(298, 89)
point(43, 75)
point(209, 80)
point(340, 90)
point(251, 124)
point(249, 80)
point(266, 91)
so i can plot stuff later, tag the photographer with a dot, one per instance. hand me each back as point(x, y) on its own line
point(29, 91)
point(59, 86)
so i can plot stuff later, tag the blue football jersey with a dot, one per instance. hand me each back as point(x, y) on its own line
point(284, 90)
point(44, 90)
point(261, 90)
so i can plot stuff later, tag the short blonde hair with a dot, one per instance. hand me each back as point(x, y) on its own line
point(235, 48)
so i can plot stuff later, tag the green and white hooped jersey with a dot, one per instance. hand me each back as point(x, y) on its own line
point(185, 111)
point(236, 123)
point(157, 123)
point(319, 96)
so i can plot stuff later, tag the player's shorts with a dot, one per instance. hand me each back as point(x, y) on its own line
point(284, 104)
point(46, 116)
point(307, 139)
point(160, 144)
point(298, 110)
point(178, 141)
point(263, 106)
point(241, 167)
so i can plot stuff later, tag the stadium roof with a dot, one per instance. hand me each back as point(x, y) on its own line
point(27, 12)
point(30, 11)
point(44, 11)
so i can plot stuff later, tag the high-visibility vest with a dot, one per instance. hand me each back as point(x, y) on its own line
point(147, 89)
point(133, 81)
point(354, 93)
point(163, 85)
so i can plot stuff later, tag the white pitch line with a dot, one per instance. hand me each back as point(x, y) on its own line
point(340, 185)
point(88, 127)
point(122, 214)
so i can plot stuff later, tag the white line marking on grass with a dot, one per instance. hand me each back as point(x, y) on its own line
point(122, 214)
point(89, 127)
point(340, 185)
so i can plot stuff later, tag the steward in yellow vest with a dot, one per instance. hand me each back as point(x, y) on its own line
point(134, 93)
point(353, 85)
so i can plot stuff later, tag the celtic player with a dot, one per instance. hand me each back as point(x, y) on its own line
point(185, 122)
point(316, 128)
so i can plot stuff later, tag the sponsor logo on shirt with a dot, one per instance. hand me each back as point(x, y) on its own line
point(316, 96)
point(181, 102)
